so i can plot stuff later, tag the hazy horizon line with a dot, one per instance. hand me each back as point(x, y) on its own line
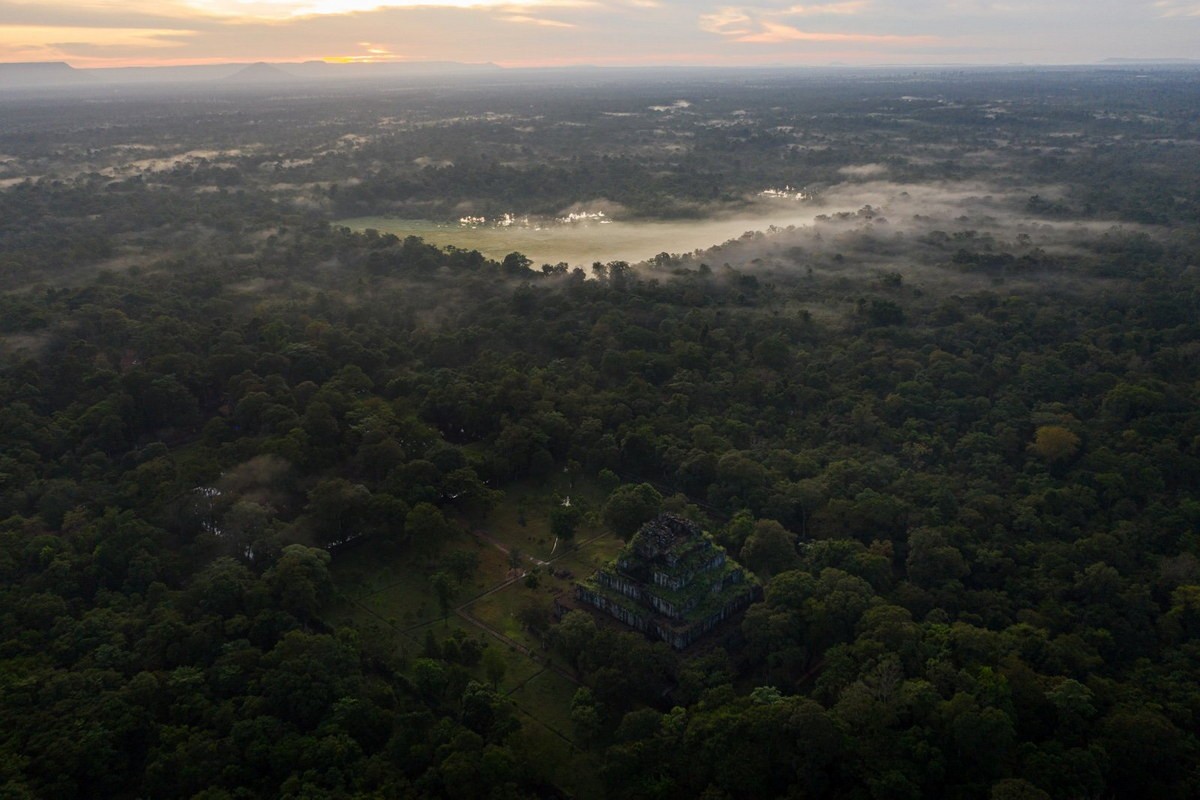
point(698, 64)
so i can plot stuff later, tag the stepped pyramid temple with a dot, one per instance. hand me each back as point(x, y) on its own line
point(671, 581)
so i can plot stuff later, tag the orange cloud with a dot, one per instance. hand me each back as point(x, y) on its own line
point(775, 33)
point(1176, 8)
point(292, 9)
point(847, 8)
point(528, 20)
point(374, 53)
point(727, 22)
point(50, 37)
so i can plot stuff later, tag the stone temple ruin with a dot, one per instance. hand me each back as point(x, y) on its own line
point(672, 582)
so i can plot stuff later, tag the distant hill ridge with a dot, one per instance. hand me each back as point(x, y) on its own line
point(261, 72)
point(1150, 61)
point(26, 75)
point(40, 73)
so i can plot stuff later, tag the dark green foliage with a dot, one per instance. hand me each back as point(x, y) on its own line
point(630, 506)
point(974, 492)
point(953, 602)
point(564, 520)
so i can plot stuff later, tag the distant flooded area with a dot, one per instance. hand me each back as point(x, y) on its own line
point(582, 242)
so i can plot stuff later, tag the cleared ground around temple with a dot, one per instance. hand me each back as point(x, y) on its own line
point(385, 591)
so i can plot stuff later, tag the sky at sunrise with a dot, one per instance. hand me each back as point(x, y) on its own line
point(98, 33)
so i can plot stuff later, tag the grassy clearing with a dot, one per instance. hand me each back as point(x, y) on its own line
point(588, 556)
point(575, 772)
point(523, 519)
point(499, 610)
point(389, 587)
point(583, 243)
point(370, 568)
point(392, 585)
point(392, 590)
point(547, 697)
point(519, 667)
point(493, 570)
point(518, 523)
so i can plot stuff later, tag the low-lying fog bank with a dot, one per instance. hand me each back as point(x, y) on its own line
point(872, 224)
point(583, 242)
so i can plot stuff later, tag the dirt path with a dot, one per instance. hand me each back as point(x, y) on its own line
point(462, 609)
point(489, 592)
point(499, 545)
point(466, 616)
point(503, 548)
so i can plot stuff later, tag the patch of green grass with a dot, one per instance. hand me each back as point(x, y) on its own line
point(409, 601)
point(372, 567)
point(493, 570)
point(499, 610)
point(393, 589)
point(387, 585)
point(547, 697)
point(577, 773)
point(519, 667)
point(392, 585)
point(345, 612)
point(522, 520)
point(588, 556)
point(532, 538)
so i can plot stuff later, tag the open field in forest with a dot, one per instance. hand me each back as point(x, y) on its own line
point(582, 243)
